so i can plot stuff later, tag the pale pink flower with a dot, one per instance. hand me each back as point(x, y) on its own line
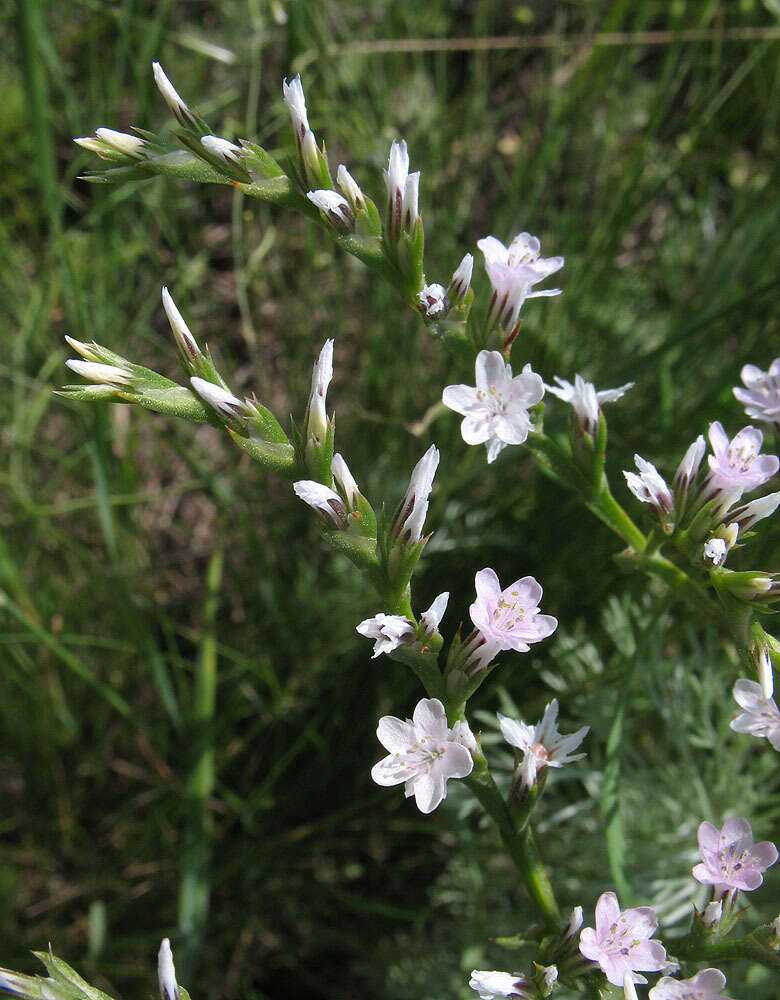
point(585, 400)
point(423, 756)
point(705, 985)
point(621, 941)
point(736, 464)
point(495, 411)
point(759, 716)
point(498, 985)
point(762, 393)
point(542, 745)
point(730, 859)
point(510, 618)
point(513, 271)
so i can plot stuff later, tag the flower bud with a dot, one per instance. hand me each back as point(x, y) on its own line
point(410, 517)
point(750, 513)
point(350, 188)
point(402, 193)
point(188, 346)
point(226, 151)
point(229, 408)
point(104, 374)
point(461, 280)
point(166, 972)
point(715, 551)
point(712, 913)
point(335, 209)
point(323, 500)
point(180, 110)
point(130, 145)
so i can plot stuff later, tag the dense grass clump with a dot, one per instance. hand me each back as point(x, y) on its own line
point(142, 559)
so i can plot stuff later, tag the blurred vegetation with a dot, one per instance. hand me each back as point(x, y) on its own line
point(653, 169)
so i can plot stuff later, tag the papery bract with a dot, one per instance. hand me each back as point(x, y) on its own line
point(761, 395)
point(423, 756)
point(510, 618)
point(495, 411)
point(730, 859)
point(621, 941)
point(759, 716)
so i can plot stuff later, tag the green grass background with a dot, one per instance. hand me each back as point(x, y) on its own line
point(140, 558)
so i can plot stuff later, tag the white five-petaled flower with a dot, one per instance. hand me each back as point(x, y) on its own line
point(94, 371)
point(172, 99)
point(423, 754)
point(621, 941)
point(433, 300)
point(705, 985)
point(650, 487)
point(402, 192)
point(223, 149)
point(498, 985)
point(509, 618)
point(334, 207)
point(760, 716)
point(513, 271)
point(166, 973)
point(542, 745)
point(410, 518)
point(322, 499)
point(495, 411)
point(736, 465)
point(585, 400)
point(388, 632)
point(761, 394)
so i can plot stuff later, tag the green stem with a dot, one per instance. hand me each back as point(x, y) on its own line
point(195, 889)
point(607, 509)
point(520, 845)
point(751, 947)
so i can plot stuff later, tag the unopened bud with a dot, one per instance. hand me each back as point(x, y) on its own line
point(324, 500)
point(750, 513)
point(226, 151)
point(345, 481)
point(335, 209)
point(712, 913)
point(410, 517)
point(227, 407)
point(130, 145)
point(764, 670)
point(103, 374)
point(351, 189)
point(185, 341)
point(166, 972)
point(461, 280)
point(180, 110)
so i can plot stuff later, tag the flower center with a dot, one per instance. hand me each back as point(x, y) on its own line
point(508, 615)
point(619, 940)
point(733, 859)
point(421, 755)
point(741, 455)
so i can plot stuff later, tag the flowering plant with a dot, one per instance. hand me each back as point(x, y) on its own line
point(697, 522)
